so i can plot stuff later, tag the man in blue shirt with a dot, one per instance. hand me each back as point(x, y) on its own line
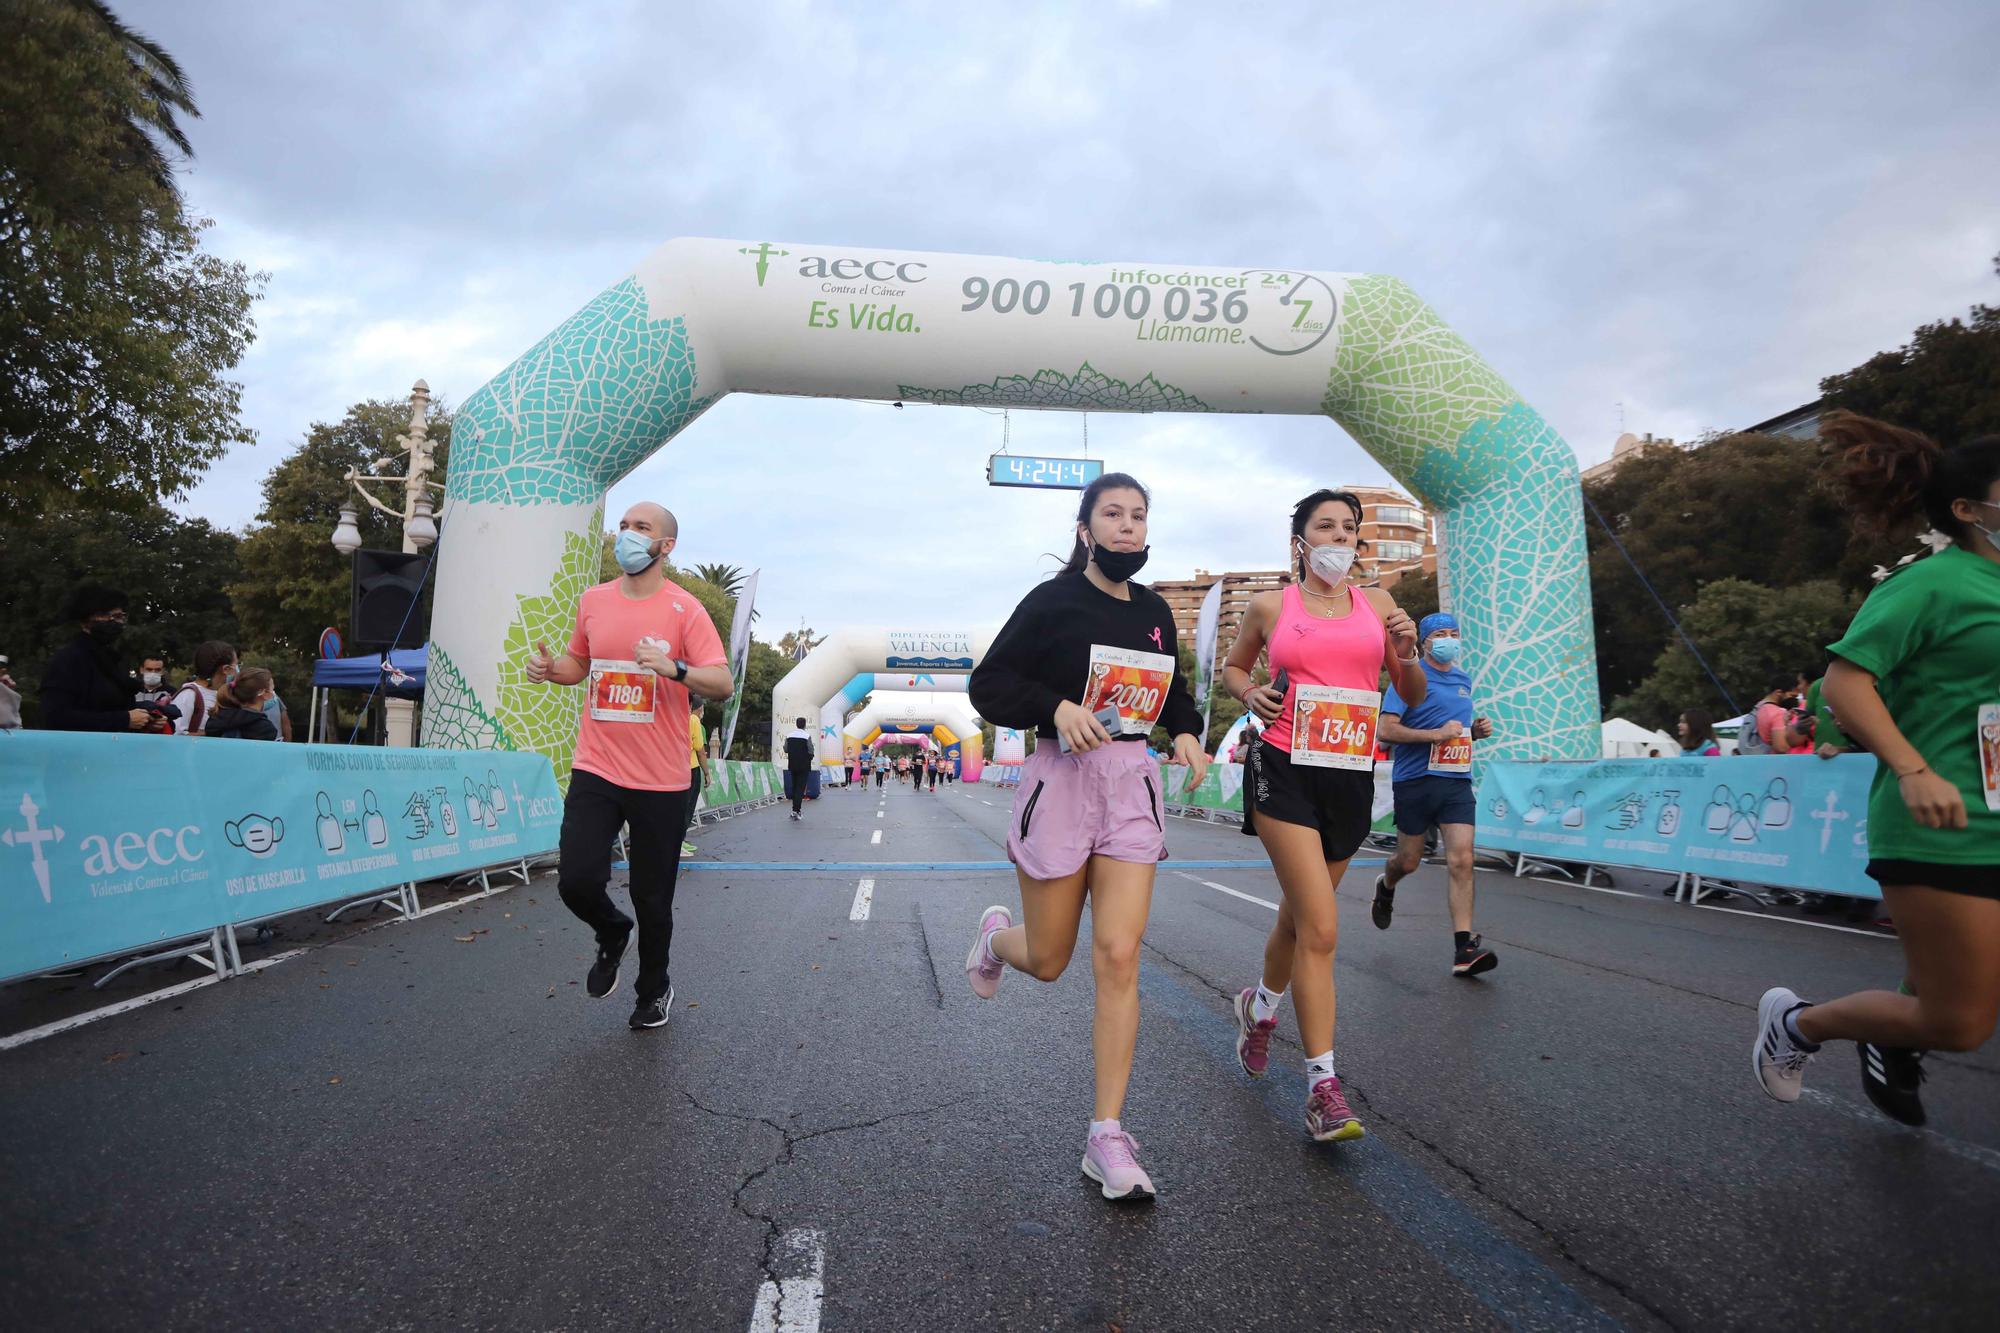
point(1433, 785)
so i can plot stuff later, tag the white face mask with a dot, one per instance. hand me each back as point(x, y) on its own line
point(1330, 562)
point(150, 679)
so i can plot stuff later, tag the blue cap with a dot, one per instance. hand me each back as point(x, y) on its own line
point(1434, 622)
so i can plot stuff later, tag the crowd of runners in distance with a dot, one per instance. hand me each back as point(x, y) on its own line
point(1088, 660)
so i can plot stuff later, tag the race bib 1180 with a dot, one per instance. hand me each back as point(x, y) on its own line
point(1334, 728)
point(1132, 682)
point(621, 691)
point(1989, 753)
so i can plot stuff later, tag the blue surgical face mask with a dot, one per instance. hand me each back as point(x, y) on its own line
point(1445, 650)
point(1992, 537)
point(634, 552)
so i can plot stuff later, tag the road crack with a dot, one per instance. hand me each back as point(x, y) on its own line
point(789, 1140)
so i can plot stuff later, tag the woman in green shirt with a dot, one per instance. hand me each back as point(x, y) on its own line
point(1916, 681)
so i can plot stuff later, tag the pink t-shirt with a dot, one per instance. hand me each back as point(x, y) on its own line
point(634, 728)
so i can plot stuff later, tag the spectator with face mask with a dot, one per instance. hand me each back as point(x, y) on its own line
point(214, 667)
point(10, 700)
point(239, 708)
point(86, 687)
point(152, 685)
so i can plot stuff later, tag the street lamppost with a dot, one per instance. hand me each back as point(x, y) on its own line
point(415, 518)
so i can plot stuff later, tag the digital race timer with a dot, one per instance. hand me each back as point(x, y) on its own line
point(1061, 474)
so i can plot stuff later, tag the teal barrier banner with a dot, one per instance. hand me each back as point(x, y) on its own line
point(109, 843)
point(1795, 821)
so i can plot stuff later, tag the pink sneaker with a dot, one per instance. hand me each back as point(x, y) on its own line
point(1112, 1160)
point(1328, 1118)
point(982, 969)
point(1253, 1038)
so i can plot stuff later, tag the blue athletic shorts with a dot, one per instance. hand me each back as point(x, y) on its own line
point(1422, 802)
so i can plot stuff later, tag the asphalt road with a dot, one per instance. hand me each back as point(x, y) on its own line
point(428, 1125)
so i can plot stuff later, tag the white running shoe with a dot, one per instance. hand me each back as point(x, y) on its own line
point(1778, 1061)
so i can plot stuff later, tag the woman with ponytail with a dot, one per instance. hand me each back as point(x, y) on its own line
point(239, 708)
point(1089, 659)
point(1916, 681)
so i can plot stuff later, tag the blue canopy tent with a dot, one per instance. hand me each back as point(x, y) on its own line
point(363, 671)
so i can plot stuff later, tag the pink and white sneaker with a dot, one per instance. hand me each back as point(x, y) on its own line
point(1328, 1118)
point(1112, 1160)
point(982, 969)
point(1253, 1036)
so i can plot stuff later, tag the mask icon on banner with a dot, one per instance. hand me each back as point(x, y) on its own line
point(255, 834)
point(633, 552)
point(373, 826)
point(1330, 562)
point(331, 839)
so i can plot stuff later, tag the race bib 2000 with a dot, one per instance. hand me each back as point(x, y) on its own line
point(1334, 728)
point(621, 691)
point(1134, 683)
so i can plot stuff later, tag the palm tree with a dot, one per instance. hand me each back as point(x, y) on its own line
point(729, 578)
point(163, 89)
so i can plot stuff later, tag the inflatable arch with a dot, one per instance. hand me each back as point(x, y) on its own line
point(535, 449)
point(834, 669)
point(947, 718)
point(832, 750)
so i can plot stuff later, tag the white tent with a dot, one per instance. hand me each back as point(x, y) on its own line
point(1629, 740)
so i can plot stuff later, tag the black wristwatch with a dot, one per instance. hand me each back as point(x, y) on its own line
point(680, 669)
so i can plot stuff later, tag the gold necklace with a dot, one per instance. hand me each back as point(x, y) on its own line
point(1327, 597)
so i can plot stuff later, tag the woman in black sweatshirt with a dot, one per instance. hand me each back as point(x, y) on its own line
point(1090, 661)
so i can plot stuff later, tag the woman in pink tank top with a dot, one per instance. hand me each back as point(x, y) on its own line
point(1309, 780)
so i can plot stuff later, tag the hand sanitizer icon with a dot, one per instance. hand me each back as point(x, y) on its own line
point(1670, 816)
point(446, 815)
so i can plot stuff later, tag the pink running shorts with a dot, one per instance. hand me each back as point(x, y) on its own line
point(1071, 807)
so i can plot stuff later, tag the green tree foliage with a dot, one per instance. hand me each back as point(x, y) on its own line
point(1944, 382)
point(1740, 506)
point(729, 578)
point(1417, 594)
point(293, 583)
point(116, 330)
point(1747, 631)
point(173, 569)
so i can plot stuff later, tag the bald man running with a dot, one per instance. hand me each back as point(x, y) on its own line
point(643, 644)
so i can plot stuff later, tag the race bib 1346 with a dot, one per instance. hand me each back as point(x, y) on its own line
point(1334, 728)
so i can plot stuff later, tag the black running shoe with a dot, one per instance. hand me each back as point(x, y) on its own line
point(1893, 1078)
point(1473, 957)
point(603, 976)
point(1383, 909)
point(653, 1013)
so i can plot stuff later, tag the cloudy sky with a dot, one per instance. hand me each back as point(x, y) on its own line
point(1678, 217)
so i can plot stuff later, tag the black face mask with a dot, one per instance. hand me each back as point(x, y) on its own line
point(1119, 566)
point(104, 633)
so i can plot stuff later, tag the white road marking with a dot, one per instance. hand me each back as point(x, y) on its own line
point(1968, 1152)
point(791, 1305)
point(864, 898)
point(878, 814)
point(877, 839)
point(1224, 888)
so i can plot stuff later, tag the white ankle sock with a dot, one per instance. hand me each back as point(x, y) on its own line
point(1319, 1067)
point(1103, 1127)
point(1264, 1004)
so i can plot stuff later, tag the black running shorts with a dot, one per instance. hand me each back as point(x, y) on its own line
point(1336, 802)
point(1972, 881)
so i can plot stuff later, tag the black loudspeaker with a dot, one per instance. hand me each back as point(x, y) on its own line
point(386, 586)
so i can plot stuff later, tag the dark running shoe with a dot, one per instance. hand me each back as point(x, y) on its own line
point(603, 976)
point(653, 1013)
point(1473, 957)
point(1383, 909)
point(1893, 1078)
